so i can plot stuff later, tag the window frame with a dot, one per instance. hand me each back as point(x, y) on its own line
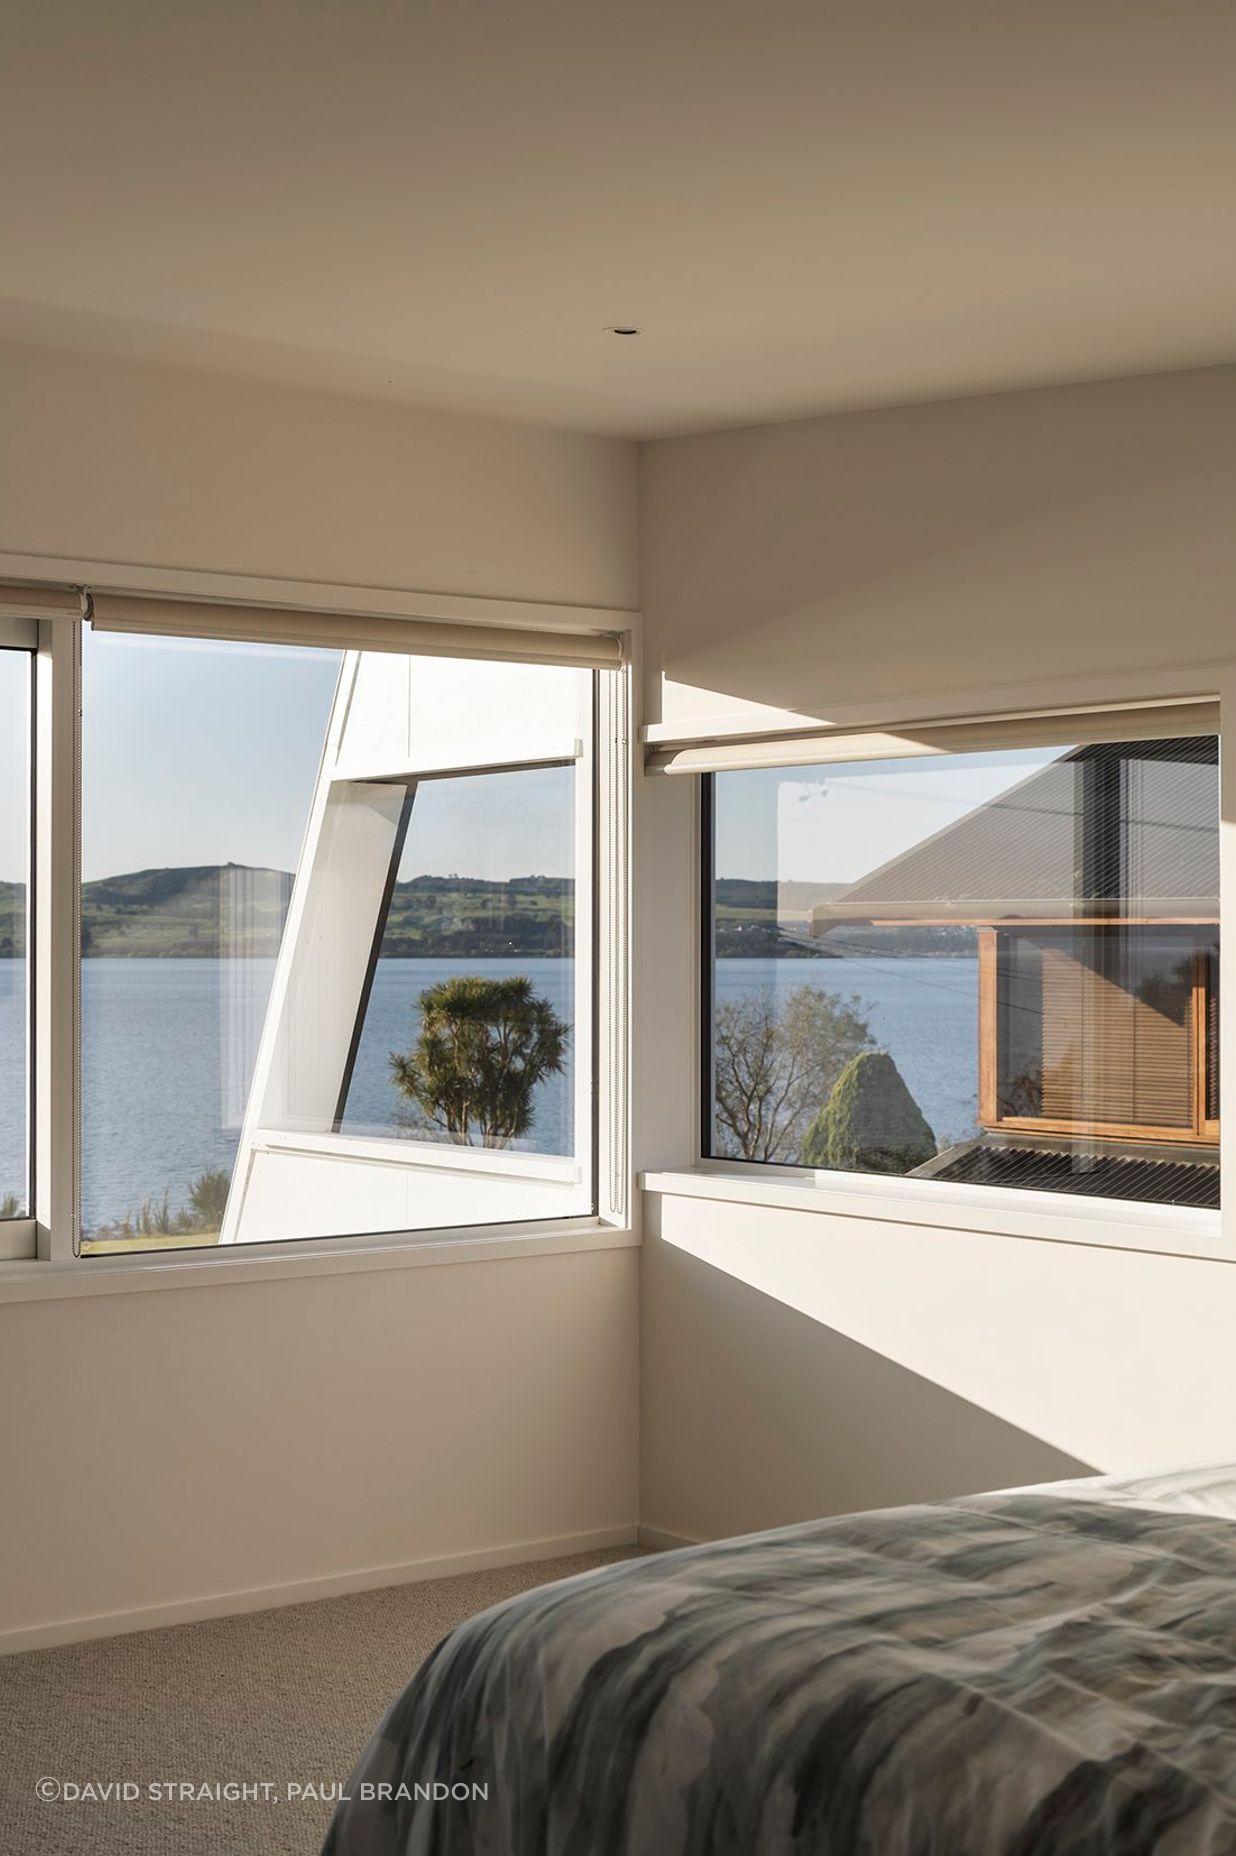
point(19, 1236)
point(1198, 1132)
point(42, 1255)
point(1118, 1224)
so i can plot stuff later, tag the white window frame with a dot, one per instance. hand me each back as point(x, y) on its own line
point(1001, 1211)
point(40, 1257)
point(19, 1236)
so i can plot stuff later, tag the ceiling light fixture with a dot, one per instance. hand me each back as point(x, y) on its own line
point(619, 328)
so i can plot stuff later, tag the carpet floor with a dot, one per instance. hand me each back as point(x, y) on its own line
point(278, 1699)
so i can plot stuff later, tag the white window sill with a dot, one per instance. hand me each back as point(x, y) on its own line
point(432, 1156)
point(213, 1266)
point(1174, 1230)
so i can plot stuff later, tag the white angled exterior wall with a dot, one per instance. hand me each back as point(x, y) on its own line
point(394, 719)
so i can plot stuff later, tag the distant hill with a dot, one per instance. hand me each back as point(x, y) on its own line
point(208, 911)
point(764, 919)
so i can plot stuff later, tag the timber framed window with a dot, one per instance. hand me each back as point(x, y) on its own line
point(1100, 1030)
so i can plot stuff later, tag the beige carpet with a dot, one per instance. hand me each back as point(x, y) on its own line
point(278, 1698)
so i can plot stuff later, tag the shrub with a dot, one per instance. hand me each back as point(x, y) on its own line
point(870, 1123)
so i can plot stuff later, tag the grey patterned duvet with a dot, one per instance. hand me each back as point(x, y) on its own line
point(1038, 1673)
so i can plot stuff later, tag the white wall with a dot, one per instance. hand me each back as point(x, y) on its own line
point(110, 461)
point(884, 556)
point(189, 1448)
point(165, 1448)
point(795, 1363)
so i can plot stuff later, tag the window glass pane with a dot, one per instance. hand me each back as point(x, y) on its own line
point(15, 822)
point(467, 1031)
point(198, 766)
point(985, 968)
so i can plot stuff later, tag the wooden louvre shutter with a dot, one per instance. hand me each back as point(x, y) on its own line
point(1111, 1054)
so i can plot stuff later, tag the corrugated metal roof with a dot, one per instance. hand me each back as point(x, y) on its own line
point(1049, 847)
point(1095, 1175)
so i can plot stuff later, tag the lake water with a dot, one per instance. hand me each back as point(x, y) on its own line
point(168, 1050)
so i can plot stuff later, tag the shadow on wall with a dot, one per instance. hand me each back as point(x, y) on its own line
point(754, 1415)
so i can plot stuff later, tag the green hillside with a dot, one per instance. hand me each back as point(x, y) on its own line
point(206, 911)
point(210, 911)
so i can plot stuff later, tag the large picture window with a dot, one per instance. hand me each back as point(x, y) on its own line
point(992, 968)
point(336, 940)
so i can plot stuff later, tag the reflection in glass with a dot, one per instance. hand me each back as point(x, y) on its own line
point(993, 968)
point(198, 766)
point(16, 672)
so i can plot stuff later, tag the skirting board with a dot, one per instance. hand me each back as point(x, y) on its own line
point(307, 1591)
point(662, 1542)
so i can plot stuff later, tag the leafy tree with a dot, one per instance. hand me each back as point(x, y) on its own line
point(208, 1199)
point(775, 1061)
point(483, 1047)
point(870, 1123)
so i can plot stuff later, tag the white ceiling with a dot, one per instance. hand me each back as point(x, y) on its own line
point(805, 204)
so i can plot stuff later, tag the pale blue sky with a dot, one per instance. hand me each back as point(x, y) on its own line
point(833, 824)
point(198, 753)
point(14, 765)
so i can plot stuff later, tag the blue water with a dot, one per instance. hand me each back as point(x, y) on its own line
point(168, 1050)
point(169, 1047)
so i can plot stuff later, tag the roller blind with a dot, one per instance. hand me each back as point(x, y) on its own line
point(1058, 728)
point(182, 618)
point(39, 602)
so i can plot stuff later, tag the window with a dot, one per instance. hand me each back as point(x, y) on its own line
point(994, 967)
point(299, 923)
point(16, 676)
point(466, 1030)
point(332, 982)
point(199, 760)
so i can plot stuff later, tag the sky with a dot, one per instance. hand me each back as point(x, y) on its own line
point(198, 753)
point(835, 823)
point(15, 675)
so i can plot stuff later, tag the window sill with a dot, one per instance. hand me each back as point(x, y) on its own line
point(1172, 1230)
point(212, 1268)
point(436, 1157)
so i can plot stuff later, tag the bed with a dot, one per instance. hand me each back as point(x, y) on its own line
point(1039, 1672)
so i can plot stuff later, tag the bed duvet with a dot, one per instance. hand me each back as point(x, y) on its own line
point(1037, 1673)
